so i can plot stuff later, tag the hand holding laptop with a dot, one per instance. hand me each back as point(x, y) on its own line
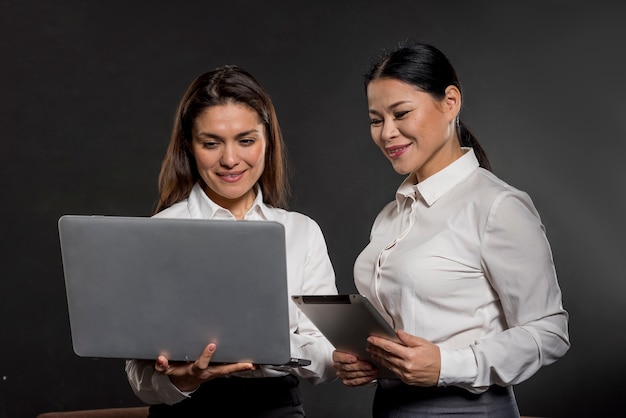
point(187, 376)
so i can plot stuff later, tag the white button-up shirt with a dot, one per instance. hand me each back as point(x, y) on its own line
point(462, 260)
point(309, 271)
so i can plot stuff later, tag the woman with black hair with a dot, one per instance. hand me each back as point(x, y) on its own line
point(459, 262)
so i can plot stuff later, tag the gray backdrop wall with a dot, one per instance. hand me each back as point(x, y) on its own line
point(88, 91)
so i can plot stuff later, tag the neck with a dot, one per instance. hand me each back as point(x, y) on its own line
point(238, 206)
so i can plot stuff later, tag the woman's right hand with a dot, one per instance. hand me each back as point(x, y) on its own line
point(188, 376)
point(352, 371)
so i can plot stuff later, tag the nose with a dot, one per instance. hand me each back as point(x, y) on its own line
point(389, 131)
point(229, 157)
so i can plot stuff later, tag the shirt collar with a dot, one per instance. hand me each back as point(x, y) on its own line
point(202, 207)
point(435, 186)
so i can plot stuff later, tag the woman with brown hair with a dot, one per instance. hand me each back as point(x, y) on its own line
point(226, 160)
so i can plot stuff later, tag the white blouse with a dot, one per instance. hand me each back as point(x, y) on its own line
point(309, 271)
point(462, 260)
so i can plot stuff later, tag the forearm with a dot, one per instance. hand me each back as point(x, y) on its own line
point(319, 351)
point(508, 358)
point(150, 386)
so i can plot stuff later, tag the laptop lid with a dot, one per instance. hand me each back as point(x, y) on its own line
point(140, 287)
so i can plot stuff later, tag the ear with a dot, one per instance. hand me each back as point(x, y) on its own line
point(452, 101)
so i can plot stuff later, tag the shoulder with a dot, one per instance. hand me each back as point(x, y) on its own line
point(499, 195)
point(177, 210)
point(391, 206)
point(294, 221)
point(492, 187)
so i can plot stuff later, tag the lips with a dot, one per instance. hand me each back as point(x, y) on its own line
point(231, 177)
point(396, 151)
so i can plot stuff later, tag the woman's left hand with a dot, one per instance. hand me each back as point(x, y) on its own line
point(415, 360)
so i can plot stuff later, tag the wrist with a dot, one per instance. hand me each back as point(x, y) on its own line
point(185, 384)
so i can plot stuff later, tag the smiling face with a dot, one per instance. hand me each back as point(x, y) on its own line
point(414, 130)
point(228, 144)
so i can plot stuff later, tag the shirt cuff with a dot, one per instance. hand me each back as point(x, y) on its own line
point(168, 392)
point(457, 366)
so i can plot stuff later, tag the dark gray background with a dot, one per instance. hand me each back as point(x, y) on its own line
point(88, 90)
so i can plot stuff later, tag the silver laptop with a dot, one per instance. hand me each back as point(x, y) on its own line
point(139, 287)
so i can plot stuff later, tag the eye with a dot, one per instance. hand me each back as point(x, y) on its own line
point(376, 122)
point(401, 115)
point(209, 144)
point(246, 142)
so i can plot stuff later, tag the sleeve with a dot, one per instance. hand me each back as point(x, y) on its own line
point(308, 342)
point(517, 261)
point(149, 386)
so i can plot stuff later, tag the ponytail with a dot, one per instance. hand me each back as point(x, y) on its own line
point(467, 139)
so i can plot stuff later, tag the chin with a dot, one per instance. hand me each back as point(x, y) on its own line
point(401, 170)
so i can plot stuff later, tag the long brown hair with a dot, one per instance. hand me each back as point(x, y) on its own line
point(222, 85)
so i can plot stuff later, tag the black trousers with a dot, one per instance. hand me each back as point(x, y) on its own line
point(269, 397)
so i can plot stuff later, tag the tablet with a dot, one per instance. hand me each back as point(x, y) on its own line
point(346, 321)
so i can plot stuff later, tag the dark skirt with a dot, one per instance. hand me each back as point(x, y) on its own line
point(404, 401)
point(269, 397)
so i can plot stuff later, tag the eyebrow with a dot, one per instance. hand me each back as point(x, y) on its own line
point(239, 135)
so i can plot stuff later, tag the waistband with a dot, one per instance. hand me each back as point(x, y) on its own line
point(251, 395)
point(395, 385)
point(258, 383)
